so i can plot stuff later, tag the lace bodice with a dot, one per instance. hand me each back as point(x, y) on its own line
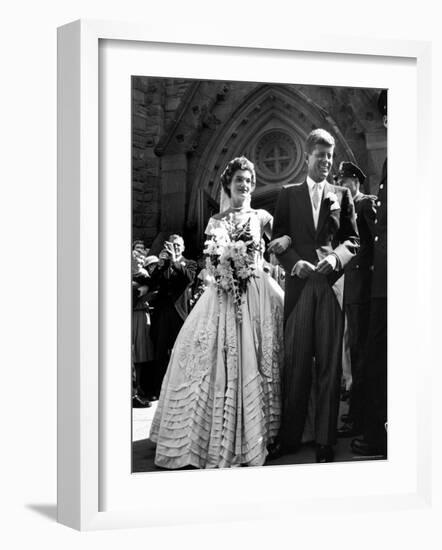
point(259, 219)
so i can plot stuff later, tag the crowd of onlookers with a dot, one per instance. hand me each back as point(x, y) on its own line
point(164, 289)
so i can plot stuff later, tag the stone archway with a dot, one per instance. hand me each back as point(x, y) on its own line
point(269, 126)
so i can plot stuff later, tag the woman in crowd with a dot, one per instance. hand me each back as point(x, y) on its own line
point(142, 345)
point(220, 400)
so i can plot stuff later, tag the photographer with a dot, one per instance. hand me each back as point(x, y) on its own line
point(172, 277)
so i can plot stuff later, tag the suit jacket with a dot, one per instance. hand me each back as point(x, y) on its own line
point(336, 233)
point(379, 281)
point(358, 272)
point(173, 283)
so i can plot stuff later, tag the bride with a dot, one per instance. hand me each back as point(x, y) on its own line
point(220, 401)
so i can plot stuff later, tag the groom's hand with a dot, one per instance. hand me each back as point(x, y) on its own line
point(327, 265)
point(303, 269)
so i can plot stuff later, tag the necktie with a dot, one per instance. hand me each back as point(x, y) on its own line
point(315, 196)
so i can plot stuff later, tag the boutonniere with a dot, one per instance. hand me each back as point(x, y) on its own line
point(332, 197)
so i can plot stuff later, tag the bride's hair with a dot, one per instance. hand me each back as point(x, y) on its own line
point(238, 163)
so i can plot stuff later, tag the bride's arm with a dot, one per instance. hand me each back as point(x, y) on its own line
point(266, 224)
point(279, 245)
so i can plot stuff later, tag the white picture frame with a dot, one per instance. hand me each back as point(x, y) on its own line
point(80, 438)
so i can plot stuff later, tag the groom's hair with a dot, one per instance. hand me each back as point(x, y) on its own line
point(238, 163)
point(318, 137)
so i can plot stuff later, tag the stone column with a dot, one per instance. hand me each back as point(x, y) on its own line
point(173, 192)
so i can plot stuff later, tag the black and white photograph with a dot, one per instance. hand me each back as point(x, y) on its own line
point(195, 202)
point(259, 274)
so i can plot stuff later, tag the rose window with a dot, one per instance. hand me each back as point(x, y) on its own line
point(276, 154)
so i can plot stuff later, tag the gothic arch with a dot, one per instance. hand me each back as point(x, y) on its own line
point(278, 112)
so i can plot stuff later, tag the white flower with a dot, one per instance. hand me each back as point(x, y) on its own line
point(240, 261)
point(219, 235)
point(332, 197)
point(244, 273)
point(223, 270)
point(240, 247)
point(225, 255)
point(225, 284)
point(217, 232)
point(211, 248)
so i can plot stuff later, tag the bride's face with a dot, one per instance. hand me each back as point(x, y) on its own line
point(241, 187)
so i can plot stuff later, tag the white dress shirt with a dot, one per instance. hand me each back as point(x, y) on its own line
point(311, 184)
point(331, 258)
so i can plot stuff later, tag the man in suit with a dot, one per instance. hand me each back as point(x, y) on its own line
point(319, 220)
point(374, 440)
point(357, 288)
point(172, 279)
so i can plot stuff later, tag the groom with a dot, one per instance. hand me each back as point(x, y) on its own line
point(319, 221)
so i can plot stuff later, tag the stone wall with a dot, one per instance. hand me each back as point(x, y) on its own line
point(154, 103)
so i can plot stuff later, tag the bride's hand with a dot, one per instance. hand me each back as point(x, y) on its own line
point(279, 245)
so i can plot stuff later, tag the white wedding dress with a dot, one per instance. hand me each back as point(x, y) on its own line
point(220, 402)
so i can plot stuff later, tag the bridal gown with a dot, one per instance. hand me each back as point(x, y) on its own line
point(220, 402)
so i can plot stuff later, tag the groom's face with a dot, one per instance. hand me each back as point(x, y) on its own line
point(319, 162)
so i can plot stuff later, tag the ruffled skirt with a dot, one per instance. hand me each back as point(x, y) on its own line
point(220, 402)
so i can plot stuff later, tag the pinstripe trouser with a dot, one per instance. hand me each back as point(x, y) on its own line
point(313, 330)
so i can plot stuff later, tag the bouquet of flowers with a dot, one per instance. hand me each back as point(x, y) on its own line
point(231, 258)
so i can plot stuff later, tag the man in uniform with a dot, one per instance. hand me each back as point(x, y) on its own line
point(374, 440)
point(357, 289)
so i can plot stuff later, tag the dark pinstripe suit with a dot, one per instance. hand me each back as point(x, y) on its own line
point(313, 317)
